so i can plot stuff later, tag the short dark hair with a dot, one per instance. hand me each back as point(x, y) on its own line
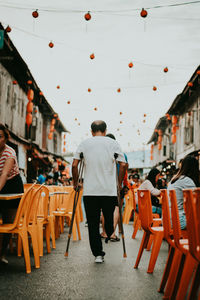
point(110, 135)
point(5, 131)
point(98, 126)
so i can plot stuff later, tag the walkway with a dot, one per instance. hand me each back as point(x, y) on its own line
point(78, 277)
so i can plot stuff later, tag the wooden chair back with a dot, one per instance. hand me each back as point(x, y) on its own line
point(175, 218)
point(145, 209)
point(191, 218)
point(166, 215)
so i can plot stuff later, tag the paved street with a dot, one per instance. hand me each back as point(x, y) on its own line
point(78, 277)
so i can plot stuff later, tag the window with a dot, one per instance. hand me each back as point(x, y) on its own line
point(164, 150)
point(14, 101)
point(8, 94)
point(189, 135)
point(19, 105)
point(22, 109)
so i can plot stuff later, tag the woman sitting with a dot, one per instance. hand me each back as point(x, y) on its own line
point(150, 184)
point(186, 178)
point(10, 183)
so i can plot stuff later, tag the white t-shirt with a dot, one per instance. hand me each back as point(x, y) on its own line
point(99, 165)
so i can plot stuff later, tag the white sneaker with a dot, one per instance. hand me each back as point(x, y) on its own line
point(4, 260)
point(99, 259)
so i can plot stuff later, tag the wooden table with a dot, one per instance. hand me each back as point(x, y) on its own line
point(10, 196)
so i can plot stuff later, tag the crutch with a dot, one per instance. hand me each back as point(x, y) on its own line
point(76, 196)
point(120, 209)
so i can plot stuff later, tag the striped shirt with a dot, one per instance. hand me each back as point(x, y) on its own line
point(9, 153)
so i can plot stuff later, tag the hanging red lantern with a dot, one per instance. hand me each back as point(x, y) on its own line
point(130, 65)
point(174, 119)
point(51, 45)
point(53, 121)
point(29, 82)
point(120, 122)
point(14, 82)
point(120, 113)
point(55, 115)
point(159, 146)
point(41, 93)
point(173, 138)
point(154, 88)
point(58, 87)
point(145, 115)
point(92, 56)
point(87, 16)
point(30, 95)
point(190, 84)
point(29, 119)
point(50, 135)
point(167, 116)
point(174, 129)
point(89, 90)
point(119, 90)
point(35, 14)
point(8, 29)
point(143, 13)
point(95, 108)
point(68, 102)
point(165, 70)
point(58, 119)
point(52, 128)
point(198, 72)
point(29, 107)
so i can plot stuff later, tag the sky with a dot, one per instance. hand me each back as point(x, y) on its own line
point(117, 35)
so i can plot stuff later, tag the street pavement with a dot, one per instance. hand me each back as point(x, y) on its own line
point(78, 277)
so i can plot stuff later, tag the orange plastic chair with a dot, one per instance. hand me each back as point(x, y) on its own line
point(146, 217)
point(136, 222)
point(174, 254)
point(35, 229)
point(67, 209)
point(128, 207)
point(53, 220)
point(157, 221)
point(20, 225)
point(187, 262)
point(192, 210)
point(43, 220)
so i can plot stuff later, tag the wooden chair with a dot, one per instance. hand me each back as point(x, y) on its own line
point(43, 219)
point(157, 221)
point(20, 225)
point(146, 217)
point(186, 261)
point(192, 209)
point(67, 208)
point(128, 207)
point(174, 255)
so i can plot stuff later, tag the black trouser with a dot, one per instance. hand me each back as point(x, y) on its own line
point(93, 206)
point(8, 208)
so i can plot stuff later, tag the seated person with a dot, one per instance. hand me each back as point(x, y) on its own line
point(150, 184)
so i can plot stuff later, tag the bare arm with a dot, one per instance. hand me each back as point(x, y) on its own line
point(75, 172)
point(9, 163)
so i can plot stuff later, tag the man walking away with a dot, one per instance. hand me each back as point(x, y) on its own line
point(100, 187)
